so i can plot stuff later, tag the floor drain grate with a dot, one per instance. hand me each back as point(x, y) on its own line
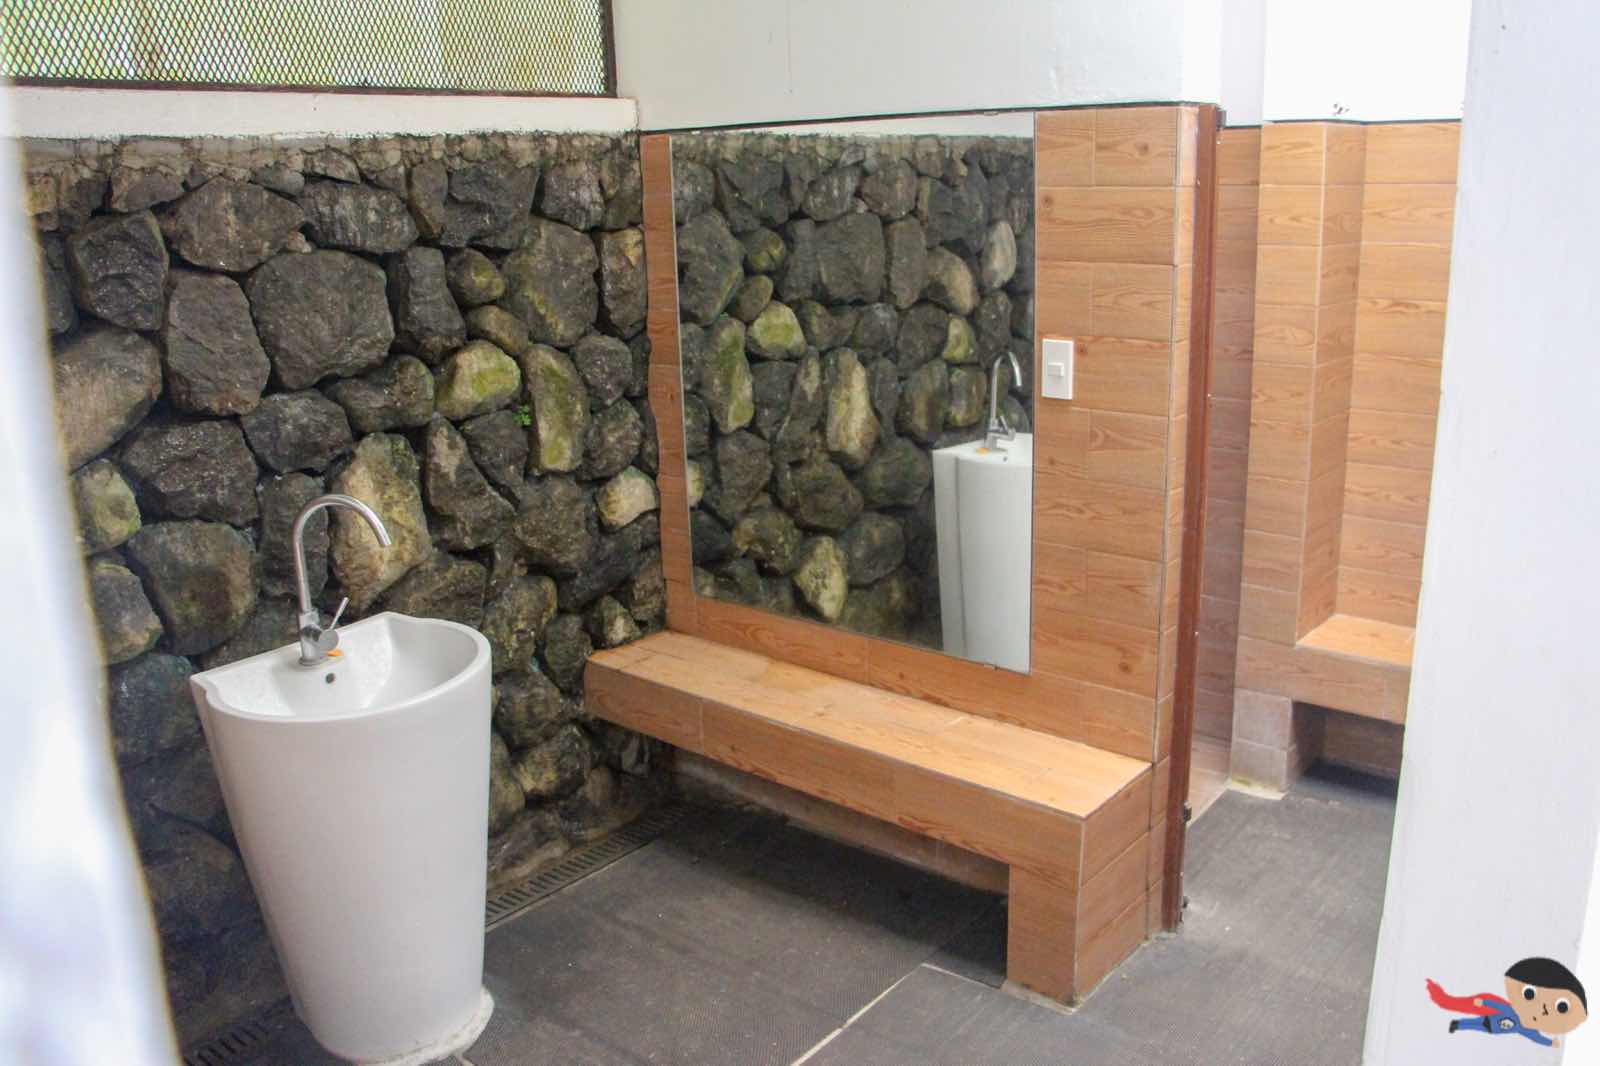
point(240, 1042)
point(579, 863)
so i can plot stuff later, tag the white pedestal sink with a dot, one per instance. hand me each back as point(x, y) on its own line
point(359, 792)
point(983, 511)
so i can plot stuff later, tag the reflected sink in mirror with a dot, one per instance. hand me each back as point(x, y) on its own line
point(844, 293)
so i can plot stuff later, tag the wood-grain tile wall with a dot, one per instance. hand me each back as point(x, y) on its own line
point(1394, 397)
point(1233, 314)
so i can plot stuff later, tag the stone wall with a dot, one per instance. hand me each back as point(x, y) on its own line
point(450, 329)
point(842, 300)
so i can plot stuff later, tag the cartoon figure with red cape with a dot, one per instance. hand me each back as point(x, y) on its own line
point(1544, 1000)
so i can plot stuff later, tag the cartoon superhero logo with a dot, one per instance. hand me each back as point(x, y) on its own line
point(1543, 1002)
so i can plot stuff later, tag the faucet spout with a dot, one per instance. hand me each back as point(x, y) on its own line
point(315, 641)
point(999, 428)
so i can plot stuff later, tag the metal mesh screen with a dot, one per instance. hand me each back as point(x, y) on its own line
point(512, 46)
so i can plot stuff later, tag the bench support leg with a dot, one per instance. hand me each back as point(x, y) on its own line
point(1041, 941)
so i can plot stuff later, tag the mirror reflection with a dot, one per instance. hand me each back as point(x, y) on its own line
point(857, 350)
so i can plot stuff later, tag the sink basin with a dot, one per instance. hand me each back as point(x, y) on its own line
point(358, 790)
point(983, 515)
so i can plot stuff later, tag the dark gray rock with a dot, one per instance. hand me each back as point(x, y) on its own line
point(609, 624)
point(152, 711)
point(357, 218)
point(615, 558)
point(725, 382)
point(623, 186)
point(818, 495)
point(214, 361)
point(550, 283)
point(128, 627)
point(709, 270)
point(822, 578)
point(960, 343)
point(874, 547)
point(192, 470)
point(897, 475)
point(498, 443)
point(823, 329)
point(106, 381)
point(557, 766)
point(1023, 279)
point(851, 258)
point(500, 328)
point(606, 365)
point(467, 513)
point(764, 251)
point(800, 276)
point(885, 393)
point(196, 883)
point(332, 163)
point(830, 195)
point(622, 279)
point(398, 395)
point(807, 403)
point(771, 384)
point(231, 225)
point(426, 320)
point(528, 708)
point(967, 393)
point(556, 525)
point(612, 442)
point(571, 194)
point(201, 577)
point(108, 514)
point(514, 622)
point(119, 270)
point(923, 331)
point(477, 379)
point(877, 326)
point(753, 297)
point(279, 178)
point(560, 410)
point(136, 188)
point(506, 800)
point(272, 624)
point(924, 400)
point(891, 192)
point(473, 278)
point(693, 187)
point(950, 282)
point(298, 431)
point(998, 263)
point(744, 466)
point(697, 424)
point(427, 194)
point(383, 473)
point(566, 649)
point(488, 205)
point(709, 540)
point(750, 193)
point(320, 315)
point(282, 500)
point(884, 609)
point(907, 261)
point(644, 594)
point(953, 216)
point(993, 320)
point(771, 538)
point(60, 314)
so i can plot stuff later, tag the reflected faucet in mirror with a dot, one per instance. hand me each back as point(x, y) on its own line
point(316, 642)
point(999, 428)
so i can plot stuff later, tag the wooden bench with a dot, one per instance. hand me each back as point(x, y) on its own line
point(1069, 820)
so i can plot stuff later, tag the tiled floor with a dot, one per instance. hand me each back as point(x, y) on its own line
point(737, 938)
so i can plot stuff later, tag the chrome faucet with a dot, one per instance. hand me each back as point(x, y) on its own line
point(999, 428)
point(315, 641)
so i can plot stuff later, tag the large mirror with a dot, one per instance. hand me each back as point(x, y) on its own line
point(856, 303)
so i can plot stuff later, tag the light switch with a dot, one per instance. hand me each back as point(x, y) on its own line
point(1060, 355)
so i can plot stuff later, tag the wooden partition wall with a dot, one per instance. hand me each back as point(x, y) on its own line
point(1351, 278)
point(1116, 216)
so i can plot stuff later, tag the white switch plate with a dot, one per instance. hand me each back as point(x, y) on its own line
point(1060, 358)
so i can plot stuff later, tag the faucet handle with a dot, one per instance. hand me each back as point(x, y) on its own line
point(339, 612)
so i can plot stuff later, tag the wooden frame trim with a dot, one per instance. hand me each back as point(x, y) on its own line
point(1194, 510)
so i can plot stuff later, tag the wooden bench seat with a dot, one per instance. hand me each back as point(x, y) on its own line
point(1071, 821)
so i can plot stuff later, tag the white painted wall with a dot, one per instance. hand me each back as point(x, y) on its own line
point(1241, 56)
point(107, 113)
point(694, 63)
point(1373, 60)
point(1583, 1046)
point(80, 980)
point(1499, 810)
